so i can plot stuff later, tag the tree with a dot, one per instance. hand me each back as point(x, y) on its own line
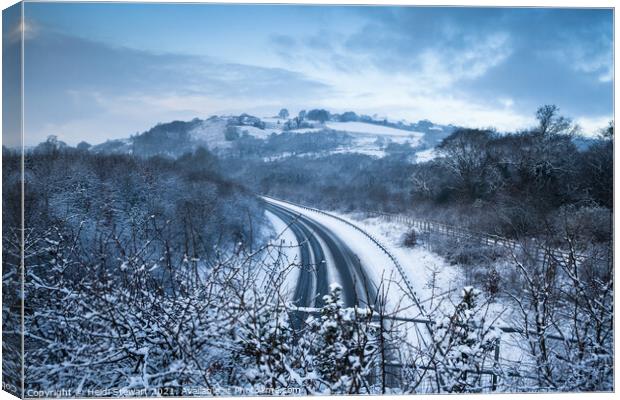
point(467, 155)
point(231, 133)
point(546, 160)
point(318, 115)
point(608, 132)
point(346, 348)
point(283, 114)
point(564, 295)
point(596, 170)
point(83, 146)
point(51, 146)
point(264, 337)
point(550, 123)
point(348, 116)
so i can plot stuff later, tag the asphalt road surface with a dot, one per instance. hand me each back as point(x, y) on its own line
point(320, 247)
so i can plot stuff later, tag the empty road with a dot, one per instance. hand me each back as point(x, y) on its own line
point(322, 252)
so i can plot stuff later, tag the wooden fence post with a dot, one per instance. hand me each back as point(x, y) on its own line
point(495, 366)
point(382, 340)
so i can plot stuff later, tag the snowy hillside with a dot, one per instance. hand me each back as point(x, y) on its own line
point(378, 130)
point(258, 136)
point(211, 132)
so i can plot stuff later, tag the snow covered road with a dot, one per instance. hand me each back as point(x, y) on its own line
point(417, 266)
point(325, 258)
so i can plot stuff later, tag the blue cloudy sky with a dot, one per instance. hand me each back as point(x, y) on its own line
point(100, 71)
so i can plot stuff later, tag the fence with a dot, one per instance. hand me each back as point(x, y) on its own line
point(534, 247)
point(394, 368)
point(513, 339)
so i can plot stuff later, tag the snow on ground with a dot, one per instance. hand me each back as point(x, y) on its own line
point(418, 263)
point(362, 127)
point(305, 130)
point(284, 237)
point(257, 132)
point(211, 132)
point(377, 130)
point(365, 151)
point(425, 155)
point(277, 157)
point(365, 137)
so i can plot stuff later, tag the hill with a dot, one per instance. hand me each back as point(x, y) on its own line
point(225, 134)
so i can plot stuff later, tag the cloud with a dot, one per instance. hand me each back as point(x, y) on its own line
point(441, 67)
point(401, 39)
point(469, 66)
point(585, 59)
point(506, 102)
point(284, 41)
point(592, 126)
point(390, 99)
point(479, 55)
point(70, 81)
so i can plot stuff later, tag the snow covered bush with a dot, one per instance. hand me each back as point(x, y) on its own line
point(346, 346)
point(465, 345)
point(264, 340)
point(410, 238)
point(138, 325)
point(565, 311)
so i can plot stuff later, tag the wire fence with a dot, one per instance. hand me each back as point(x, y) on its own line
point(403, 359)
point(534, 247)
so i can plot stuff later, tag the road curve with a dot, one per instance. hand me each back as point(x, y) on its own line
point(312, 283)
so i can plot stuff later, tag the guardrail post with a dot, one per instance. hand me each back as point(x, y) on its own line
point(494, 377)
point(382, 340)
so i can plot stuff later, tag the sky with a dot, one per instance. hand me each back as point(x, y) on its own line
point(98, 71)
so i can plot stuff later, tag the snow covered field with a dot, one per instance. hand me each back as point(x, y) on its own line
point(365, 151)
point(371, 129)
point(257, 132)
point(426, 155)
point(306, 130)
point(211, 131)
point(419, 264)
point(370, 139)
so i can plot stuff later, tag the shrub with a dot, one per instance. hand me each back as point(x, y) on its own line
point(411, 238)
